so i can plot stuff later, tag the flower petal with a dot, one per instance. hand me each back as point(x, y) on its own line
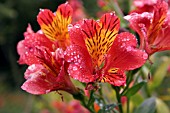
point(116, 78)
point(39, 80)
point(80, 67)
point(123, 53)
point(76, 35)
point(27, 47)
point(140, 23)
point(100, 36)
point(162, 41)
point(55, 26)
point(160, 13)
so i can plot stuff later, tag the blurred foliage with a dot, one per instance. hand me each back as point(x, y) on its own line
point(15, 16)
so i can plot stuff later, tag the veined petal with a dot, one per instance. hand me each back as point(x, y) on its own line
point(140, 23)
point(39, 80)
point(54, 26)
point(100, 36)
point(50, 60)
point(160, 13)
point(49, 75)
point(80, 67)
point(124, 55)
point(162, 41)
point(115, 77)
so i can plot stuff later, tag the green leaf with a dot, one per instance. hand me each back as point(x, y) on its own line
point(133, 90)
point(148, 106)
point(161, 107)
point(159, 74)
point(139, 98)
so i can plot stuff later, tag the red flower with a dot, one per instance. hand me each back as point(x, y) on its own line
point(153, 28)
point(99, 53)
point(47, 69)
point(54, 26)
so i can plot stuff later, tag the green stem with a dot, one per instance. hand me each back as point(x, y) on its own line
point(118, 96)
point(128, 104)
point(115, 6)
point(81, 97)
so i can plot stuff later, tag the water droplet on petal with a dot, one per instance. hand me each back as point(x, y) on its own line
point(75, 68)
point(70, 26)
point(145, 56)
point(41, 9)
point(77, 26)
point(111, 13)
point(129, 48)
point(32, 67)
point(47, 91)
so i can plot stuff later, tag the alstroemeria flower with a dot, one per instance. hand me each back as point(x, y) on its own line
point(153, 28)
point(55, 25)
point(98, 53)
point(47, 69)
point(49, 75)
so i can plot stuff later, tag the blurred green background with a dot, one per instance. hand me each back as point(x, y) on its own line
point(14, 18)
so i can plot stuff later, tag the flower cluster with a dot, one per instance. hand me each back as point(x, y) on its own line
point(90, 51)
point(152, 26)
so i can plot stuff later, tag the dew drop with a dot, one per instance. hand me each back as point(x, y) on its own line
point(41, 9)
point(70, 26)
point(79, 60)
point(111, 13)
point(127, 39)
point(75, 68)
point(47, 91)
point(32, 67)
point(128, 17)
point(129, 48)
point(75, 57)
point(145, 56)
point(77, 26)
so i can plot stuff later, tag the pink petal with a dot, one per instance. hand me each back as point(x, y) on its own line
point(80, 67)
point(39, 80)
point(76, 35)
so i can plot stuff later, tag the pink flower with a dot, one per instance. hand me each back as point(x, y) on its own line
point(47, 68)
point(153, 28)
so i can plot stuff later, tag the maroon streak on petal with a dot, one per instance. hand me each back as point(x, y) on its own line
point(123, 53)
